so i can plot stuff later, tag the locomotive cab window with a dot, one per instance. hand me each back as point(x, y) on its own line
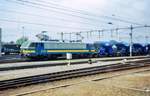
point(32, 45)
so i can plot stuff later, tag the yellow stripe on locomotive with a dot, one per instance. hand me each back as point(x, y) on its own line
point(57, 51)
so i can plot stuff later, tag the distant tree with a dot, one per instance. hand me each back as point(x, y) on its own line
point(21, 40)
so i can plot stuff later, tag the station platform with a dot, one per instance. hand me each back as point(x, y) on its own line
point(13, 74)
point(9, 57)
point(23, 65)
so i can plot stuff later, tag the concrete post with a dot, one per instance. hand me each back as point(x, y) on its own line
point(131, 40)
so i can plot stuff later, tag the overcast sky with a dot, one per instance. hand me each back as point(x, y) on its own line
point(73, 16)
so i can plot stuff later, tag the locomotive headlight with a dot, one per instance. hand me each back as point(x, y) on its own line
point(28, 54)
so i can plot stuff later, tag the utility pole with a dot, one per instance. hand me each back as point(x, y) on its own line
point(102, 32)
point(77, 34)
point(0, 42)
point(91, 33)
point(87, 34)
point(111, 34)
point(117, 32)
point(70, 36)
point(62, 36)
point(23, 35)
point(146, 39)
point(99, 35)
point(131, 39)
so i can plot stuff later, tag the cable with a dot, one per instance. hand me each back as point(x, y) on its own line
point(41, 24)
point(114, 29)
point(34, 5)
point(128, 28)
point(45, 17)
point(71, 27)
point(77, 11)
point(87, 13)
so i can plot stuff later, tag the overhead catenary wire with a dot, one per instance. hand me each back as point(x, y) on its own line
point(41, 24)
point(70, 27)
point(87, 13)
point(38, 6)
point(113, 29)
point(90, 31)
point(28, 1)
point(63, 8)
point(104, 30)
point(46, 17)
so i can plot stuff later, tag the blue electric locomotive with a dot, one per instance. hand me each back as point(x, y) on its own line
point(47, 49)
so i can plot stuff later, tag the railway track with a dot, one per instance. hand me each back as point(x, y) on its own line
point(95, 80)
point(70, 74)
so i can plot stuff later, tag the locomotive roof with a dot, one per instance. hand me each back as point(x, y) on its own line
point(56, 42)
